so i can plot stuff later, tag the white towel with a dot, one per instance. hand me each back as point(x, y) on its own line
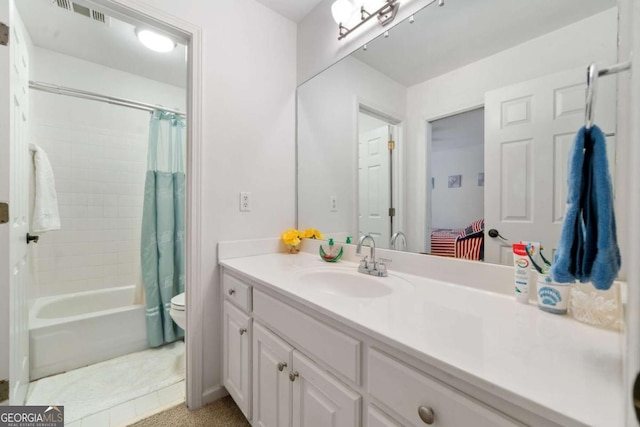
point(45, 212)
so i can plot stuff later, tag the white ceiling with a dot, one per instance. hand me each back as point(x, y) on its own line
point(292, 9)
point(464, 31)
point(114, 45)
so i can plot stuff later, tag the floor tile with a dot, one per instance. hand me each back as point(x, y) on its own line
point(101, 419)
point(146, 403)
point(172, 393)
point(119, 415)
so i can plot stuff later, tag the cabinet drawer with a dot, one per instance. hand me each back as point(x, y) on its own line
point(236, 291)
point(321, 342)
point(405, 390)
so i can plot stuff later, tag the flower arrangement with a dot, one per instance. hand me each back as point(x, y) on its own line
point(293, 237)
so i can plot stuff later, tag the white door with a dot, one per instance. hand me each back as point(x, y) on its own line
point(272, 361)
point(319, 400)
point(374, 182)
point(14, 184)
point(529, 129)
point(236, 370)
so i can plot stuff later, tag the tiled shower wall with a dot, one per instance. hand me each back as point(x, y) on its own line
point(98, 153)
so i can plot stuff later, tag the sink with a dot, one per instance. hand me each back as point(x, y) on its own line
point(349, 283)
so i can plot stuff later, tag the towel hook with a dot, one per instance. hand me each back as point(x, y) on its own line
point(592, 82)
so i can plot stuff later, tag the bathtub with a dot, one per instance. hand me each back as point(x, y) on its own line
point(74, 330)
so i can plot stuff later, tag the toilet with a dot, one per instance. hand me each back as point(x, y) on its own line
point(177, 311)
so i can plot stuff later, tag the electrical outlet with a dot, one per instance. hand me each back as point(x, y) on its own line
point(333, 204)
point(245, 201)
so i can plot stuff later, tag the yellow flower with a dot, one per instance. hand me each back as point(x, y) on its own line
point(291, 237)
point(312, 233)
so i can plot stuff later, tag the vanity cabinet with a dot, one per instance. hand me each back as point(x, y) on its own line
point(236, 369)
point(291, 390)
point(288, 366)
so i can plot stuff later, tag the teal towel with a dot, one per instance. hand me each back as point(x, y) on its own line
point(588, 248)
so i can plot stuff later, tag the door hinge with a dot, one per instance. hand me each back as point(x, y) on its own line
point(4, 34)
point(392, 211)
point(392, 145)
point(4, 212)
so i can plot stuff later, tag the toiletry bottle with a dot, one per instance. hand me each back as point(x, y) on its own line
point(522, 272)
point(348, 240)
point(332, 249)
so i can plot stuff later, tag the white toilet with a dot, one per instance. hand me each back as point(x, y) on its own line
point(177, 311)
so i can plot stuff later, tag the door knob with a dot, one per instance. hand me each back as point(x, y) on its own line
point(31, 238)
point(293, 376)
point(495, 233)
point(281, 366)
point(232, 291)
point(243, 330)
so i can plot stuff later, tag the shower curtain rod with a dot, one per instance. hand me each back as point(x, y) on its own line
point(62, 90)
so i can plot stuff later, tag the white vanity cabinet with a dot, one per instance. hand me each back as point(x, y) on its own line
point(294, 367)
point(291, 390)
point(237, 332)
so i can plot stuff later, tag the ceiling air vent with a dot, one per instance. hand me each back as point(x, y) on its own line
point(83, 10)
point(65, 4)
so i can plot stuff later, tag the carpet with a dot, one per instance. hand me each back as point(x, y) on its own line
point(221, 413)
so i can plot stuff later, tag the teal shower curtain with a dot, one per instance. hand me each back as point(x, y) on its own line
point(163, 225)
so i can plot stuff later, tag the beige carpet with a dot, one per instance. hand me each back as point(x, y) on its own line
point(221, 413)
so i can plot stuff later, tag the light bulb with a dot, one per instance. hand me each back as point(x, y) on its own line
point(342, 11)
point(155, 41)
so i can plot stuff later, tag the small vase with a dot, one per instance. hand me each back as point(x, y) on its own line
point(294, 249)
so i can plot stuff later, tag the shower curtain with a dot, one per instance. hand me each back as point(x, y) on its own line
point(163, 225)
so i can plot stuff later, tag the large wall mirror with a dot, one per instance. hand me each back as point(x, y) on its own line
point(456, 123)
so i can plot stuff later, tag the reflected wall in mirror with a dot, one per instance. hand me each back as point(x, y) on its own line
point(457, 123)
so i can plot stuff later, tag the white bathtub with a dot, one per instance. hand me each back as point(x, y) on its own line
point(74, 330)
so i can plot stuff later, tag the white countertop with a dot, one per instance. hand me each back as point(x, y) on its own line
point(546, 363)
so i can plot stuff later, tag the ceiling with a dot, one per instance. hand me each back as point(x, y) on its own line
point(292, 9)
point(113, 44)
point(443, 39)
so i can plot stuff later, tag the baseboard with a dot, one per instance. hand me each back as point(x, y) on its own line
point(214, 393)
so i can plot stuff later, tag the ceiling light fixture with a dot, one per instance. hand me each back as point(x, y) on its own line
point(343, 9)
point(155, 41)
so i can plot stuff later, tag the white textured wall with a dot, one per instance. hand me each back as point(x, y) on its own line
point(573, 46)
point(328, 140)
point(249, 74)
point(98, 153)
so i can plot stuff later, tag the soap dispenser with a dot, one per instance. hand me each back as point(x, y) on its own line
point(331, 252)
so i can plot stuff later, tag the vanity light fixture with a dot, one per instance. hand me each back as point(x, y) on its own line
point(385, 14)
point(155, 41)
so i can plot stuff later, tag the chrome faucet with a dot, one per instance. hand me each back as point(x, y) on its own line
point(371, 266)
point(394, 239)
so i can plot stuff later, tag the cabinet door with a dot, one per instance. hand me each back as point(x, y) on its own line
point(319, 400)
point(272, 361)
point(237, 357)
point(377, 418)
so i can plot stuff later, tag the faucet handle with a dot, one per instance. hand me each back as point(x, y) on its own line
point(381, 265)
point(364, 263)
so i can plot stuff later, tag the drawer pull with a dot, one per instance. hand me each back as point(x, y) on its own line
point(293, 376)
point(232, 292)
point(281, 366)
point(243, 330)
point(426, 414)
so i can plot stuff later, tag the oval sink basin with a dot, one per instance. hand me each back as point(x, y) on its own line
point(347, 283)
